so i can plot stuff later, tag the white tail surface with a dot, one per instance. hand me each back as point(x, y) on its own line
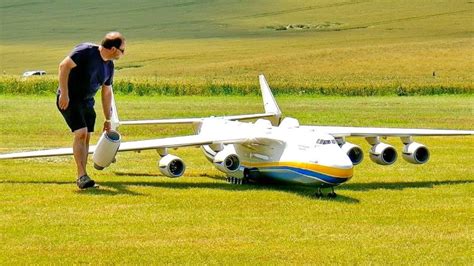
point(269, 102)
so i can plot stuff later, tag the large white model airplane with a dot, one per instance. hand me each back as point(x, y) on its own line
point(270, 148)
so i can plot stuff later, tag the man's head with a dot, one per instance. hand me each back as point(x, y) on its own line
point(114, 43)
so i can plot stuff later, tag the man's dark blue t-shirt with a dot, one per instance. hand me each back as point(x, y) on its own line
point(90, 73)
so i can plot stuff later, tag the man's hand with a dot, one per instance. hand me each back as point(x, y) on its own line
point(63, 101)
point(107, 126)
point(64, 69)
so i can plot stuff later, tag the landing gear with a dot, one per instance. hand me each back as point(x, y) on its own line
point(319, 194)
point(332, 194)
point(237, 181)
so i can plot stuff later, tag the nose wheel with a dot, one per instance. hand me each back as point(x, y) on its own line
point(319, 194)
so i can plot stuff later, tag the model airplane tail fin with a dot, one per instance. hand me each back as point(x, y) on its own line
point(114, 117)
point(272, 112)
point(269, 102)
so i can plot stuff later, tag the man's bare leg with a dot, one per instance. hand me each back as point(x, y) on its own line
point(80, 149)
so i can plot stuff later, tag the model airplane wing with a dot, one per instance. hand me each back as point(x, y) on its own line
point(173, 142)
point(38, 153)
point(385, 132)
point(176, 142)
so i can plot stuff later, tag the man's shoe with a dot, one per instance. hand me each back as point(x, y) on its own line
point(85, 182)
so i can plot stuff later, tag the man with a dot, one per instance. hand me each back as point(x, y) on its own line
point(81, 74)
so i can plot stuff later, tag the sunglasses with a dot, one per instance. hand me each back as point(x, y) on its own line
point(121, 50)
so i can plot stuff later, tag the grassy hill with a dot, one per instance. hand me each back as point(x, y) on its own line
point(49, 21)
point(301, 44)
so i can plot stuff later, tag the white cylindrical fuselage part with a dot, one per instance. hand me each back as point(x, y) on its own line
point(106, 149)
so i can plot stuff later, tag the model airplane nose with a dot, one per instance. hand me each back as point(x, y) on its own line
point(337, 163)
point(335, 158)
point(343, 162)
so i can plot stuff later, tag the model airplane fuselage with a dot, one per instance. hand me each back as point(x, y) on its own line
point(286, 153)
point(270, 148)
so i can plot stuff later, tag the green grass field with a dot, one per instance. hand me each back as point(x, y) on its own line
point(400, 214)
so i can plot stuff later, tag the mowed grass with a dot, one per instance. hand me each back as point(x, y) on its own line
point(400, 214)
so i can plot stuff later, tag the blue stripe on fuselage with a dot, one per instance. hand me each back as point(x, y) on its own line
point(286, 173)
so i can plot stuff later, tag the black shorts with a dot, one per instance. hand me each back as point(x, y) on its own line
point(78, 115)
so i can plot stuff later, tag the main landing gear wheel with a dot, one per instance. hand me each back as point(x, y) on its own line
point(236, 181)
point(319, 194)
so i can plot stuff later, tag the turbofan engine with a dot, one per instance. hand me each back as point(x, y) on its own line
point(354, 152)
point(227, 161)
point(171, 166)
point(415, 153)
point(383, 154)
point(106, 149)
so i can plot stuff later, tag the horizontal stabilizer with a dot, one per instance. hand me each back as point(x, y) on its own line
point(272, 112)
point(193, 120)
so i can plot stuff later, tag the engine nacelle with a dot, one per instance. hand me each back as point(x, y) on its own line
point(171, 166)
point(416, 153)
point(383, 154)
point(227, 161)
point(354, 152)
point(106, 149)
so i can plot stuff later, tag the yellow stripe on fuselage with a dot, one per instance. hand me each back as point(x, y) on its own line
point(327, 170)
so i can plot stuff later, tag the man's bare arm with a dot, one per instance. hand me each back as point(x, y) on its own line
point(64, 69)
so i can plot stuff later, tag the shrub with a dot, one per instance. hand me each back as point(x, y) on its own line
point(145, 86)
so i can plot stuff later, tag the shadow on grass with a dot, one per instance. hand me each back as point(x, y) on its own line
point(117, 188)
point(110, 189)
point(113, 188)
point(137, 174)
point(303, 191)
point(306, 192)
point(400, 185)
